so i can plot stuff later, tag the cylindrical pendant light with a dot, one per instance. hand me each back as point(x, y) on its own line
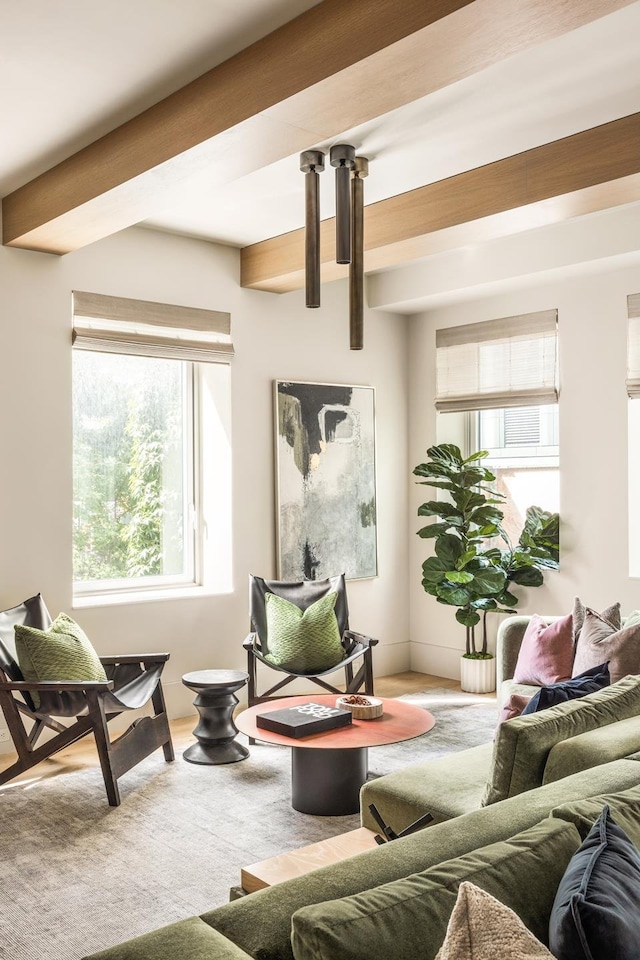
point(311, 164)
point(356, 270)
point(343, 157)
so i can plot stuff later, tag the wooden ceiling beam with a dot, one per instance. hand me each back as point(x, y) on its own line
point(122, 177)
point(338, 65)
point(588, 171)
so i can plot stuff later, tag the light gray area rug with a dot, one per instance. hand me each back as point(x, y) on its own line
point(78, 876)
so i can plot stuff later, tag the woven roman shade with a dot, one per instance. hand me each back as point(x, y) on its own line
point(633, 346)
point(141, 327)
point(510, 362)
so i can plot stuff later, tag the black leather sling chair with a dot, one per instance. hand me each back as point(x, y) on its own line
point(133, 680)
point(303, 593)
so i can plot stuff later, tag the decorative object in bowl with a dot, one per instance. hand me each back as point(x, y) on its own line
point(362, 708)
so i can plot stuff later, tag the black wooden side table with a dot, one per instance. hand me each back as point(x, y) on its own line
point(215, 702)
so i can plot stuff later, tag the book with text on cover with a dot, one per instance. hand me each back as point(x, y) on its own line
point(303, 720)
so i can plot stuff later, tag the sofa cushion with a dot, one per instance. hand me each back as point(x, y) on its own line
point(595, 913)
point(509, 687)
point(482, 928)
point(588, 682)
point(514, 707)
point(546, 653)
point(611, 614)
point(613, 742)
point(454, 784)
point(522, 746)
point(624, 806)
point(188, 939)
point(407, 919)
point(601, 642)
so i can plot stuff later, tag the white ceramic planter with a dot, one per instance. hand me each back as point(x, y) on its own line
point(477, 676)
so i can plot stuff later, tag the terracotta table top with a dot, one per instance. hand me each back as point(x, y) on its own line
point(400, 721)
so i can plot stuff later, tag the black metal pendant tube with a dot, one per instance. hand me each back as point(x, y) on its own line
point(311, 163)
point(356, 270)
point(343, 158)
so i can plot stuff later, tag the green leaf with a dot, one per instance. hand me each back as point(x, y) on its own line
point(486, 515)
point(527, 577)
point(439, 484)
point(449, 548)
point(489, 581)
point(487, 603)
point(478, 455)
point(437, 508)
point(466, 558)
point(430, 588)
point(433, 570)
point(459, 576)
point(434, 470)
point(433, 530)
point(466, 500)
point(493, 555)
point(452, 595)
point(467, 617)
point(508, 599)
point(447, 453)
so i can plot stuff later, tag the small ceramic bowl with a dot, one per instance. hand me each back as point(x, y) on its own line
point(360, 711)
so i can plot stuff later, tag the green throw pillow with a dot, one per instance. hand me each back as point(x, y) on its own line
point(63, 652)
point(303, 641)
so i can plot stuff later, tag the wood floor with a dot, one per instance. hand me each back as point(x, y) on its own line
point(83, 754)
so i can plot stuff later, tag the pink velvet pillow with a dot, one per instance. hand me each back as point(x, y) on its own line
point(546, 654)
point(515, 706)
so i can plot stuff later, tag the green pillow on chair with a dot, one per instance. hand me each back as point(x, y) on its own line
point(63, 652)
point(303, 641)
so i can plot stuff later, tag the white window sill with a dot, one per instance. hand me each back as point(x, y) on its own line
point(145, 596)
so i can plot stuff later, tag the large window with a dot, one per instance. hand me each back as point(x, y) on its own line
point(497, 390)
point(524, 456)
point(152, 466)
point(134, 470)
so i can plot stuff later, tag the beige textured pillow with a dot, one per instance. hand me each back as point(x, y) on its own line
point(611, 614)
point(482, 928)
point(600, 642)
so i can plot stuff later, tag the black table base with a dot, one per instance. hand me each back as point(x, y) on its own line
point(327, 783)
point(215, 703)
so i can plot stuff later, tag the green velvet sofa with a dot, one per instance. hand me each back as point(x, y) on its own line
point(500, 817)
point(394, 901)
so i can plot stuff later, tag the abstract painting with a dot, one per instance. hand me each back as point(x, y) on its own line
point(325, 481)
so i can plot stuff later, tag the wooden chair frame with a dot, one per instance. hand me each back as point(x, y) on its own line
point(355, 645)
point(145, 734)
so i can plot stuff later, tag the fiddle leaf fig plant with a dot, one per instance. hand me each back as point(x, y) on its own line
point(465, 572)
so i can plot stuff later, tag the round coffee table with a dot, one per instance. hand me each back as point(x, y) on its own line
point(328, 769)
point(215, 702)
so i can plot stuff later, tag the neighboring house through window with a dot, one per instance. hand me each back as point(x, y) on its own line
point(524, 456)
point(497, 391)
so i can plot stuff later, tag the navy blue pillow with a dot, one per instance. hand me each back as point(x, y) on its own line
point(596, 914)
point(588, 682)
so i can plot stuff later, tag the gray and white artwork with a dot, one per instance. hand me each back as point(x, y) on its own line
point(326, 487)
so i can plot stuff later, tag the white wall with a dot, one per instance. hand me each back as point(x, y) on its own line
point(592, 319)
point(274, 337)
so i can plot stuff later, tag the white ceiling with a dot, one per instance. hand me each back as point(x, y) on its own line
point(72, 70)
